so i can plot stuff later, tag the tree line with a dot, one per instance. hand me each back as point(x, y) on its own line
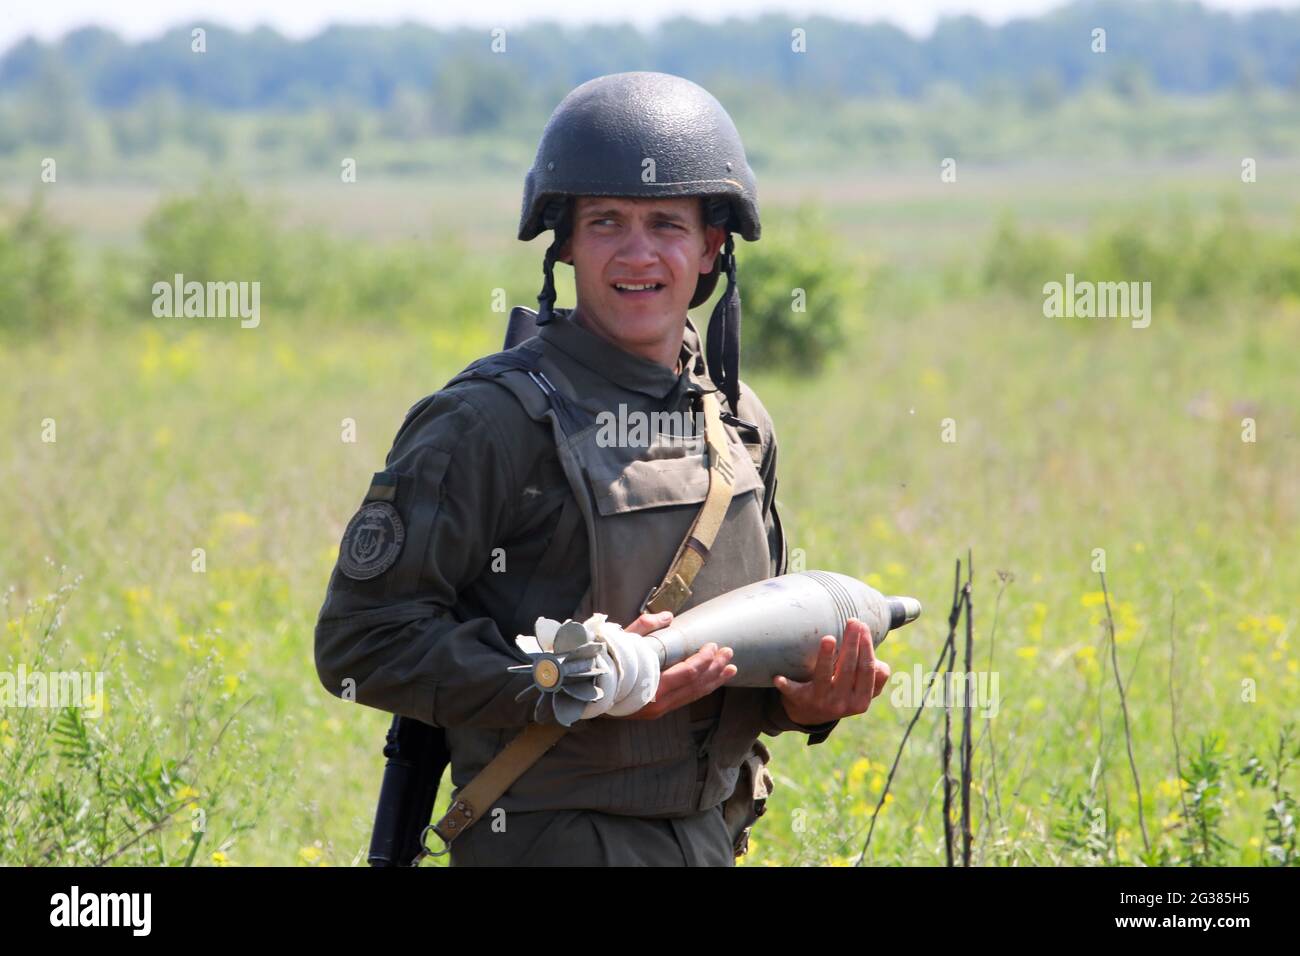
point(1175, 47)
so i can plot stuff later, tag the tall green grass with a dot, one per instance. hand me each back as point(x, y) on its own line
point(1071, 435)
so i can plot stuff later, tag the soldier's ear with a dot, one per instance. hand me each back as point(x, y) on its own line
point(565, 253)
point(714, 238)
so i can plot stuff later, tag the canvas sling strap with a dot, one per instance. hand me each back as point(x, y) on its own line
point(671, 594)
point(675, 589)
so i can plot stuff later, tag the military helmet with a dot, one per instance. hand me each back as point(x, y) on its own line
point(651, 135)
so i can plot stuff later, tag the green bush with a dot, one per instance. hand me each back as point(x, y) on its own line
point(794, 290)
point(305, 274)
point(215, 235)
point(1196, 264)
point(1020, 263)
point(38, 290)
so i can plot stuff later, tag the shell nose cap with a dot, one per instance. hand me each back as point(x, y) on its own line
point(903, 610)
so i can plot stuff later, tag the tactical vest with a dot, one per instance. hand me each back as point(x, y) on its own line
point(637, 504)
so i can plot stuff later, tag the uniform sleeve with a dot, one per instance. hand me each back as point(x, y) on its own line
point(387, 634)
point(775, 719)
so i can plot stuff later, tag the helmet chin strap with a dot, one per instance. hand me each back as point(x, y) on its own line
point(546, 298)
point(555, 217)
point(723, 343)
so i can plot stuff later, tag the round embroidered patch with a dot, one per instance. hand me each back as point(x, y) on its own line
point(372, 541)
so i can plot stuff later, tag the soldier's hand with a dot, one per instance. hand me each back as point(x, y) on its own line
point(843, 684)
point(648, 622)
point(697, 676)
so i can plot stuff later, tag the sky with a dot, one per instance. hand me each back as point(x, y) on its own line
point(140, 19)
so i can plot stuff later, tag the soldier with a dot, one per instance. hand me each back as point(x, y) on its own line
point(500, 504)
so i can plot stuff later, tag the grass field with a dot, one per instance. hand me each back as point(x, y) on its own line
point(1071, 435)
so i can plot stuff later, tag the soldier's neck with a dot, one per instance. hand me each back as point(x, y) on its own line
point(666, 353)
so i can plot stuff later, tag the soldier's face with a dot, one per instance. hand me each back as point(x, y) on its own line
point(619, 242)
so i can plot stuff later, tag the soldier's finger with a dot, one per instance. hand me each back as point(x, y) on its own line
point(647, 623)
point(883, 673)
point(847, 665)
point(824, 669)
point(728, 672)
point(699, 662)
point(868, 688)
point(686, 671)
point(714, 680)
point(718, 672)
point(721, 663)
point(791, 688)
point(863, 661)
point(696, 667)
point(708, 679)
point(868, 648)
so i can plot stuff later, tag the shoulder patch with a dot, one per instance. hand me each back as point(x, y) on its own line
point(372, 541)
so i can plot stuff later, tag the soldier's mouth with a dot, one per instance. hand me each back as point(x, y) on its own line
point(637, 290)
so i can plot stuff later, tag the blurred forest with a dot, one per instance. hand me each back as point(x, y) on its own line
point(1174, 79)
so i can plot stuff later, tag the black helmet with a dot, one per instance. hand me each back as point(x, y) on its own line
point(598, 142)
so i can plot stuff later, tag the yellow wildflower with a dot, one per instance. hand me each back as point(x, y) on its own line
point(310, 855)
point(931, 378)
point(236, 519)
point(858, 772)
point(1171, 787)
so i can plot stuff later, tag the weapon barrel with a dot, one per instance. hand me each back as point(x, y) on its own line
point(776, 626)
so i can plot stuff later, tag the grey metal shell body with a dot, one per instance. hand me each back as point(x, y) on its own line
point(776, 626)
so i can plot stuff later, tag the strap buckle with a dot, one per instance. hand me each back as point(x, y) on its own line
point(730, 419)
point(675, 591)
point(424, 845)
point(649, 596)
point(458, 818)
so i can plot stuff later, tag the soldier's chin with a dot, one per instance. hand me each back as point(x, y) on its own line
point(641, 326)
point(643, 316)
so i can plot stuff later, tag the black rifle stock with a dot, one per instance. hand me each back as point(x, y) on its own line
point(417, 755)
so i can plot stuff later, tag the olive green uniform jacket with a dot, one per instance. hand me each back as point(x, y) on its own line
point(474, 530)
